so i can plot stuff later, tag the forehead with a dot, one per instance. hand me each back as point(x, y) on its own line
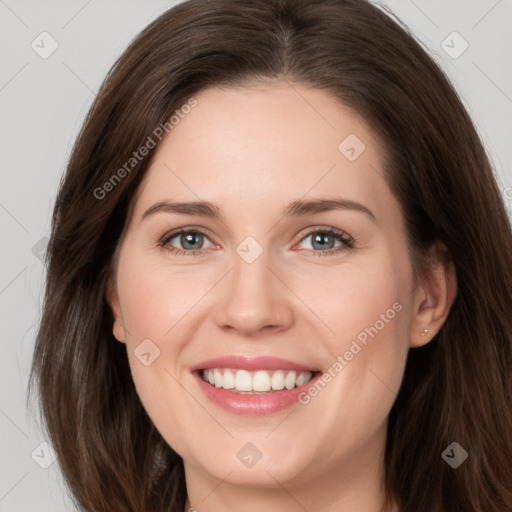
point(254, 144)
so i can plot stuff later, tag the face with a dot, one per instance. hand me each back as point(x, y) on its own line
point(299, 312)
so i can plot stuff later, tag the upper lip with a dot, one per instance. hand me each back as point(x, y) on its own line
point(252, 363)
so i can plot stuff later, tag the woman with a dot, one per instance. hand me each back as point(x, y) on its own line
point(196, 354)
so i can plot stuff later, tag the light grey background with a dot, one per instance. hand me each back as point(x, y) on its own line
point(43, 103)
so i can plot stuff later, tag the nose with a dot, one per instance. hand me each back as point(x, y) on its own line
point(254, 298)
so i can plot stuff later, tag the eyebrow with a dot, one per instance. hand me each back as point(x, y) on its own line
point(296, 209)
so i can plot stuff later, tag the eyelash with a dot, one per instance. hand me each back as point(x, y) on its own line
point(347, 241)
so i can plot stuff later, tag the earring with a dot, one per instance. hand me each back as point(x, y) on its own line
point(425, 331)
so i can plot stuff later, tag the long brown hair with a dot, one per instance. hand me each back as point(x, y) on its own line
point(456, 388)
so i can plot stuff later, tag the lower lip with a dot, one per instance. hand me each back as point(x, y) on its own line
point(263, 403)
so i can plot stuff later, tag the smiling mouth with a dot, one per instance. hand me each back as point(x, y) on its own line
point(255, 382)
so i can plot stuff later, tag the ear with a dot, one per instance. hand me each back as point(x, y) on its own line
point(113, 301)
point(434, 297)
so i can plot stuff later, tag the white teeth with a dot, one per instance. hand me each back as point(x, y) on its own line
point(261, 381)
point(217, 378)
point(303, 377)
point(290, 380)
point(278, 380)
point(243, 381)
point(258, 381)
point(228, 380)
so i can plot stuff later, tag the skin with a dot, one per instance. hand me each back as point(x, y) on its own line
point(252, 151)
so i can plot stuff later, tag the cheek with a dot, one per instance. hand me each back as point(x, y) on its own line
point(362, 304)
point(154, 307)
point(155, 300)
point(159, 304)
point(367, 312)
point(364, 369)
point(369, 345)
